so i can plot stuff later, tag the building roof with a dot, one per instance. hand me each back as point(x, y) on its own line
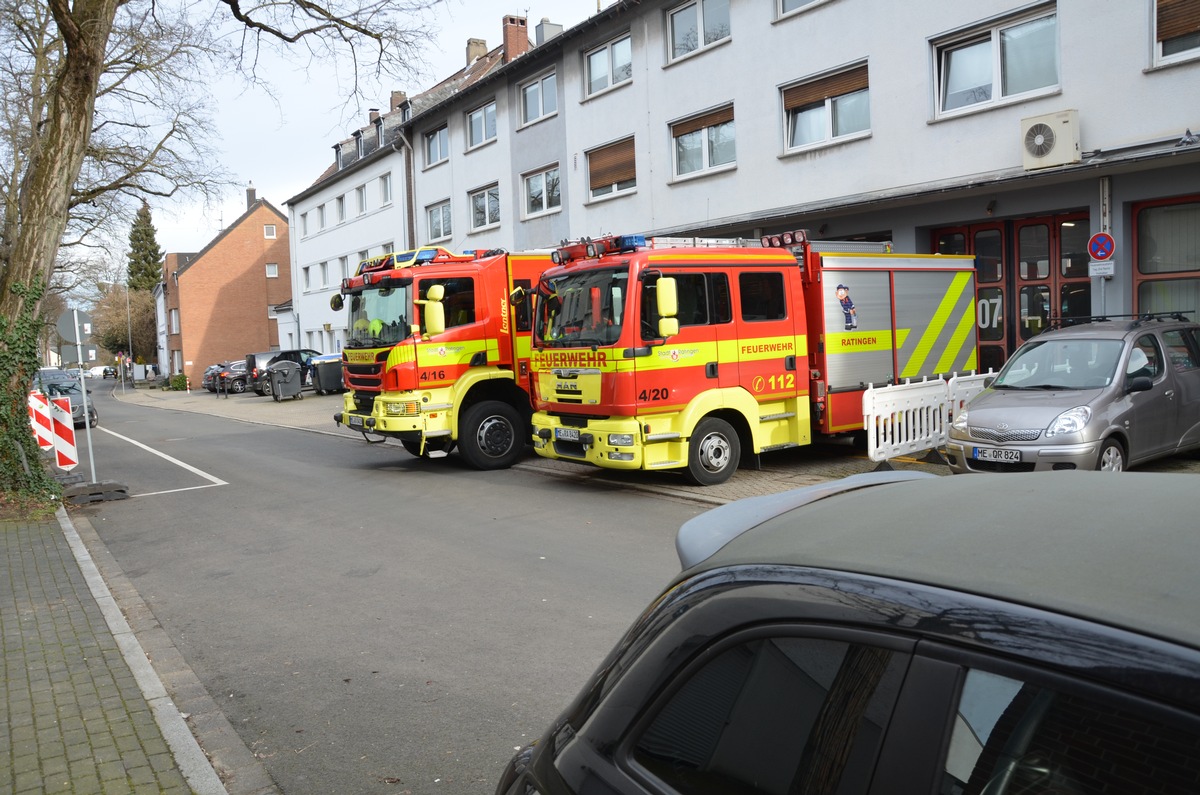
point(224, 232)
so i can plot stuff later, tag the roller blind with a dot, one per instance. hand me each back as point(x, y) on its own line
point(710, 119)
point(819, 90)
point(1177, 18)
point(612, 164)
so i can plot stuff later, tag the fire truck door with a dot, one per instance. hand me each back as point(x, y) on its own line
point(687, 363)
point(770, 347)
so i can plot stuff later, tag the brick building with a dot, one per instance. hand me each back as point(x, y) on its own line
point(220, 302)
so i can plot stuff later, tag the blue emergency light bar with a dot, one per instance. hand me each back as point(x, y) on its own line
point(593, 249)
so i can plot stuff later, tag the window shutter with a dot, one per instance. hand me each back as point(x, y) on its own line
point(611, 164)
point(1177, 18)
point(820, 90)
point(713, 118)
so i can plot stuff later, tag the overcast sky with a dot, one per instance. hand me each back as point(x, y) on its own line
point(283, 148)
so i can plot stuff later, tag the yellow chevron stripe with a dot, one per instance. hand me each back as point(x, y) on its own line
point(966, 324)
point(936, 324)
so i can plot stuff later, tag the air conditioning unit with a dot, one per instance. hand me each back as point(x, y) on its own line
point(1050, 140)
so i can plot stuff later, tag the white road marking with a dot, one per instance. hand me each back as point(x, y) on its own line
point(213, 480)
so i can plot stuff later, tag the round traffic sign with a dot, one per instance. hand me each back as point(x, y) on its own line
point(1101, 246)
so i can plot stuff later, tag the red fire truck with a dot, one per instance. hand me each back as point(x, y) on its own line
point(649, 357)
point(436, 357)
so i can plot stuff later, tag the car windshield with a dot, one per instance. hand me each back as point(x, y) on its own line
point(582, 308)
point(380, 316)
point(62, 388)
point(1062, 364)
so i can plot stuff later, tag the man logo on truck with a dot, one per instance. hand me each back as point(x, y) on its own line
point(851, 314)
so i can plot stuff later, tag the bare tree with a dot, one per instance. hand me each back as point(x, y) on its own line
point(97, 113)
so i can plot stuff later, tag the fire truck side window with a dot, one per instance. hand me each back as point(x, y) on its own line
point(703, 300)
point(522, 311)
point(763, 296)
point(459, 300)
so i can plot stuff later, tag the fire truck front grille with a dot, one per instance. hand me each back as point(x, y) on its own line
point(1011, 435)
point(569, 449)
point(364, 402)
point(365, 376)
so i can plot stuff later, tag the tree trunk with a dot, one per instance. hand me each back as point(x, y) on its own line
point(56, 156)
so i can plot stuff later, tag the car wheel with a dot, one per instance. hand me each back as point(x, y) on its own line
point(713, 452)
point(237, 386)
point(1111, 458)
point(491, 436)
point(266, 388)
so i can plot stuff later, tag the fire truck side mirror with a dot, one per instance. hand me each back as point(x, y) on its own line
point(667, 297)
point(434, 314)
point(517, 296)
point(336, 303)
point(668, 327)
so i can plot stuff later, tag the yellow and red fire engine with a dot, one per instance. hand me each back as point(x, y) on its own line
point(435, 355)
point(648, 356)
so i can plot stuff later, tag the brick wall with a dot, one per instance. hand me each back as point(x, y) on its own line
point(224, 293)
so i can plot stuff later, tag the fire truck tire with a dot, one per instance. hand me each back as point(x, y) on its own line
point(490, 435)
point(431, 446)
point(713, 452)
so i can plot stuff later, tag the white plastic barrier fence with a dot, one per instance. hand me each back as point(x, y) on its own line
point(901, 419)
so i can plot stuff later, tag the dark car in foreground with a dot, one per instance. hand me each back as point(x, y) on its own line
point(74, 391)
point(1105, 394)
point(904, 632)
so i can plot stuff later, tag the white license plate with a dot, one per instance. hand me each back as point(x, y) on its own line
point(566, 434)
point(355, 422)
point(994, 454)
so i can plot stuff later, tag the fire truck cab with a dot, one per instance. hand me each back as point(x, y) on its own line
point(649, 355)
point(436, 356)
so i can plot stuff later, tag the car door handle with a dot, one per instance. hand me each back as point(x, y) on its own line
point(1170, 393)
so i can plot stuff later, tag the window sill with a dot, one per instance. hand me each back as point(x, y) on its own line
point(607, 90)
point(1175, 60)
point(698, 52)
point(487, 228)
point(984, 107)
point(481, 145)
point(441, 239)
point(823, 145)
point(537, 121)
point(542, 214)
point(708, 172)
point(609, 197)
point(432, 166)
point(795, 12)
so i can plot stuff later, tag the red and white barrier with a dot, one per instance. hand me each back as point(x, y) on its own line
point(39, 418)
point(53, 426)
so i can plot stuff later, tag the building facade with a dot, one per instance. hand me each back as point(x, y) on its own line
point(1014, 131)
point(220, 302)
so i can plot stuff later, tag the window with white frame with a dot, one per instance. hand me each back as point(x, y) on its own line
point(272, 270)
point(306, 277)
point(696, 25)
point(360, 195)
point(362, 255)
point(303, 224)
point(174, 321)
point(343, 268)
point(481, 125)
point(323, 268)
point(1014, 58)
point(610, 65)
point(539, 99)
point(542, 192)
point(704, 142)
point(359, 146)
point(379, 139)
point(437, 145)
point(612, 169)
point(788, 6)
point(385, 189)
point(439, 220)
point(485, 207)
point(388, 247)
point(1176, 30)
point(827, 108)
point(341, 208)
point(269, 231)
point(321, 217)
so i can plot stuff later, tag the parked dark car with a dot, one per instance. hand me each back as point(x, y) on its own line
point(209, 379)
point(73, 390)
point(903, 632)
point(110, 372)
point(1105, 394)
point(257, 364)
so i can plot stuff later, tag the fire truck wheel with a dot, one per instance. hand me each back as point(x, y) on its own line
point(713, 452)
point(431, 446)
point(490, 435)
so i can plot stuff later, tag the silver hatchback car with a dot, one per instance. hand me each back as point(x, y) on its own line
point(1105, 394)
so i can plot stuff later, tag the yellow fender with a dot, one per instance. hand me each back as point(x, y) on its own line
point(463, 385)
point(709, 401)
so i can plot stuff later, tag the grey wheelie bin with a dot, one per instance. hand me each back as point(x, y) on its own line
point(327, 373)
point(285, 380)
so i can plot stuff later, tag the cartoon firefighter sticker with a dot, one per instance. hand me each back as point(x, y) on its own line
point(848, 310)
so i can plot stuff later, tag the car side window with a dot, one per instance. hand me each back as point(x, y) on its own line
point(1014, 737)
point(776, 715)
point(1179, 352)
point(1150, 360)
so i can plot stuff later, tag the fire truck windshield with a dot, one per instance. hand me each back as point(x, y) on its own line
point(582, 308)
point(379, 316)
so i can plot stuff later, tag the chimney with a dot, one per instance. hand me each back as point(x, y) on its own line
point(373, 115)
point(251, 194)
point(516, 38)
point(545, 31)
point(476, 49)
point(398, 99)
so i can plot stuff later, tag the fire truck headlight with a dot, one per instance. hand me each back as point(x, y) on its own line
point(620, 440)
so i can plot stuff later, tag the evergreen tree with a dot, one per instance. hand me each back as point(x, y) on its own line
point(145, 257)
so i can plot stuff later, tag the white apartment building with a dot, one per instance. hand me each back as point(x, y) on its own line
point(356, 209)
point(1007, 129)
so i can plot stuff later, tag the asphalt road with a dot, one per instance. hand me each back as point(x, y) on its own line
point(370, 622)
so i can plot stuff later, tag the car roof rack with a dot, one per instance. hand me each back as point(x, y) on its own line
point(1135, 319)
